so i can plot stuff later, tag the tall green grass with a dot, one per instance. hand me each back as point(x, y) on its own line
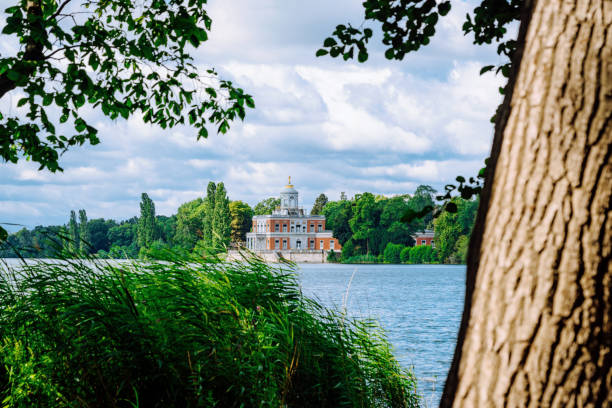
point(184, 333)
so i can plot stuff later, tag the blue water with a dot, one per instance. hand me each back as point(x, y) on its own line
point(419, 306)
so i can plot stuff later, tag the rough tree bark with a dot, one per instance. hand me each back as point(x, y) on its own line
point(537, 323)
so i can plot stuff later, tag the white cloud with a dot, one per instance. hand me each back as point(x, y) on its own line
point(334, 126)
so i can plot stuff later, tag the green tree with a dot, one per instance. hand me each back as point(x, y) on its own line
point(166, 227)
point(122, 235)
point(73, 231)
point(337, 216)
point(405, 255)
point(422, 200)
point(189, 223)
point(207, 215)
point(221, 219)
point(147, 227)
point(98, 230)
point(392, 253)
point(84, 242)
point(449, 227)
point(120, 57)
point(365, 219)
point(319, 204)
point(242, 220)
point(266, 206)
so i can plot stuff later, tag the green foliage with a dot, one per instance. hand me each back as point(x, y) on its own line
point(85, 239)
point(405, 255)
point(73, 230)
point(365, 217)
point(337, 215)
point(266, 206)
point(242, 220)
point(408, 25)
point(147, 226)
point(392, 253)
point(361, 259)
point(221, 220)
point(208, 210)
point(121, 57)
point(319, 204)
point(450, 227)
point(332, 257)
point(189, 220)
point(185, 333)
point(422, 254)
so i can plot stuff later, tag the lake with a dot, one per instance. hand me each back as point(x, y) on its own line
point(419, 306)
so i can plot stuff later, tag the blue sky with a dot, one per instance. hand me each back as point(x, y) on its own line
point(382, 126)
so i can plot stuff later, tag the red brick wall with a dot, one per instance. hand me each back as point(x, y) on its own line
point(426, 239)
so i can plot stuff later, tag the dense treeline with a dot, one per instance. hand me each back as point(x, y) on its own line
point(368, 227)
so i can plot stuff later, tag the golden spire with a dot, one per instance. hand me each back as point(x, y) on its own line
point(289, 185)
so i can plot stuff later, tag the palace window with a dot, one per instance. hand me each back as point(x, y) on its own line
point(432, 244)
point(312, 244)
point(303, 228)
point(331, 244)
point(284, 244)
point(292, 228)
point(284, 227)
point(320, 227)
point(276, 228)
point(321, 244)
point(312, 227)
point(423, 242)
point(276, 244)
point(298, 244)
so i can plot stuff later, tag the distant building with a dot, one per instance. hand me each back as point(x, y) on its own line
point(289, 228)
point(424, 238)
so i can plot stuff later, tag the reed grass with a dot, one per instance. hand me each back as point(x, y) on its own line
point(184, 332)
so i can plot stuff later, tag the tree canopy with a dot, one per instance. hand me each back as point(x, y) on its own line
point(119, 57)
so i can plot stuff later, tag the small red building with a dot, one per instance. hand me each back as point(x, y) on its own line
point(424, 238)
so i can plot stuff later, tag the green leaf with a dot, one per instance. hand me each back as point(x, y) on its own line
point(444, 8)
point(250, 102)
point(486, 68)
point(80, 125)
point(79, 100)
point(3, 234)
point(47, 99)
point(362, 56)
point(13, 75)
point(329, 42)
point(22, 102)
point(451, 207)
point(410, 214)
point(321, 52)
point(389, 54)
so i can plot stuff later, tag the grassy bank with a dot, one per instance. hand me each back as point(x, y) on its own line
point(184, 333)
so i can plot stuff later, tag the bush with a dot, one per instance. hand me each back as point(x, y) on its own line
point(392, 253)
point(405, 255)
point(332, 257)
point(361, 259)
point(348, 249)
point(184, 333)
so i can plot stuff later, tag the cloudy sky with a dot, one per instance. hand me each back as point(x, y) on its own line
point(333, 126)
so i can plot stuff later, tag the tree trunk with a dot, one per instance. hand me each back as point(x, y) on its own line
point(537, 323)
